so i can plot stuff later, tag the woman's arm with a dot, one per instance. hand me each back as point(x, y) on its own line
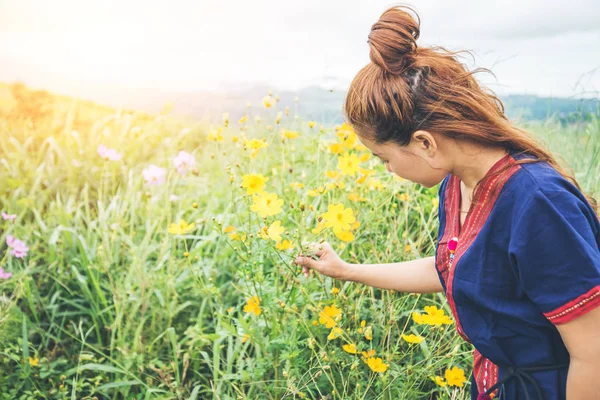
point(415, 276)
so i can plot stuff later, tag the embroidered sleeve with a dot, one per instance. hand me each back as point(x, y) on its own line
point(555, 246)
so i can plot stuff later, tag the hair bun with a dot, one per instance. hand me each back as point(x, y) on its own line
point(393, 40)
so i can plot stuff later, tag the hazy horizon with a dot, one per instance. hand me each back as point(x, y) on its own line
point(86, 47)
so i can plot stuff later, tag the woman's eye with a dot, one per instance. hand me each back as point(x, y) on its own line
point(382, 161)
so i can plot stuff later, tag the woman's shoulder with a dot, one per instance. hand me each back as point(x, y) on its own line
point(539, 183)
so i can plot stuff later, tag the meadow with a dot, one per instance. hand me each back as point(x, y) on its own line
point(150, 256)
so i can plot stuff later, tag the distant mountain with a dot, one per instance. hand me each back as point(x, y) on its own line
point(314, 102)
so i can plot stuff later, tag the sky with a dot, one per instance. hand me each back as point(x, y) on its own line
point(542, 47)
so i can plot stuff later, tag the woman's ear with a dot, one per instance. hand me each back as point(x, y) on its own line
point(425, 142)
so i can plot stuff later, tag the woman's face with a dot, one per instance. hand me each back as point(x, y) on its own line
point(420, 162)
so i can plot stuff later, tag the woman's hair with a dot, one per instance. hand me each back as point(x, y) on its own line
point(406, 88)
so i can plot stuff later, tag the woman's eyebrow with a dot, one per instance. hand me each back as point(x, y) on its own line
point(376, 155)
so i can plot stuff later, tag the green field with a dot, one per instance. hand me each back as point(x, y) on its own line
point(116, 299)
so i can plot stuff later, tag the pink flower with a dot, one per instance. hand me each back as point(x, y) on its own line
point(183, 161)
point(19, 249)
point(4, 274)
point(174, 197)
point(8, 216)
point(108, 154)
point(154, 175)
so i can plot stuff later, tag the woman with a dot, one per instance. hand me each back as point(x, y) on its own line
point(518, 253)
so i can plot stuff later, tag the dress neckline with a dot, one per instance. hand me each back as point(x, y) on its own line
point(475, 203)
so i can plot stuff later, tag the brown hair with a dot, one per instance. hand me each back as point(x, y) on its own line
point(406, 88)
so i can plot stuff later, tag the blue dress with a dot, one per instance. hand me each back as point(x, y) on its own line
point(527, 259)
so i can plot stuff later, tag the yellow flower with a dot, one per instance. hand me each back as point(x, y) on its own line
point(272, 232)
point(254, 183)
point(226, 119)
point(439, 381)
point(344, 236)
point(436, 202)
point(229, 310)
point(337, 148)
point(245, 338)
point(455, 377)
point(255, 144)
point(34, 361)
point(229, 229)
point(266, 204)
point(297, 185)
point(348, 164)
point(368, 354)
point(316, 192)
point(287, 110)
point(330, 315)
point(289, 134)
point(412, 338)
point(181, 228)
point(234, 139)
point(215, 135)
point(376, 364)
point(268, 101)
point(311, 124)
point(333, 174)
point(355, 225)
point(434, 316)
point(253, 305)
point(278, 118)
point(355, 197)
point(335, 290)
point(346, 135)
point(335, 333)
point(338, 217)
point(404, 197)
point(349, 348)
point(407, 248)
point(236, 236)
point(364, 157)
point(375, 184)
point(369, 333)
point(284, 245)
point(243, 119)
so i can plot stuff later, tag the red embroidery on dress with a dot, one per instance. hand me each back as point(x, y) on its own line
point(575, 307)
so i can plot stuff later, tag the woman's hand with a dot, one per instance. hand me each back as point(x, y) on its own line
point(324, 260)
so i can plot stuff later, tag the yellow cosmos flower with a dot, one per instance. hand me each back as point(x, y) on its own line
point(404, 197)
point(376, 364)
point(272, 232)
point(236, 236)
point(297, 185)
point(230, 310)
point(344, 236)
point(368, 354)
point(337, 148)
point(364, 157)
point(330, 315)
point(333, 174)
point(316, 192)
point(34, 361)
point(229, 229)
point(350, 348)
point(355, 197)
point(268, 101)
point(439, 381)
point(412, 338)
point(244, 119)
point(369, 332)
point(278, 118)
point(335, 290)
point(234, 139)
point(284, 245)
point(434, 316)
point(182, 228)
point(348, 164)
point(375, 184)
point(435, 202)
point(215, 135)
point(245, 338)
point(289, 134)
point(335, 333)
point(253, 305)
point(311, 124)
point(338, 217)
point(266, 204)
point(455, 377)
point(254, 183)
